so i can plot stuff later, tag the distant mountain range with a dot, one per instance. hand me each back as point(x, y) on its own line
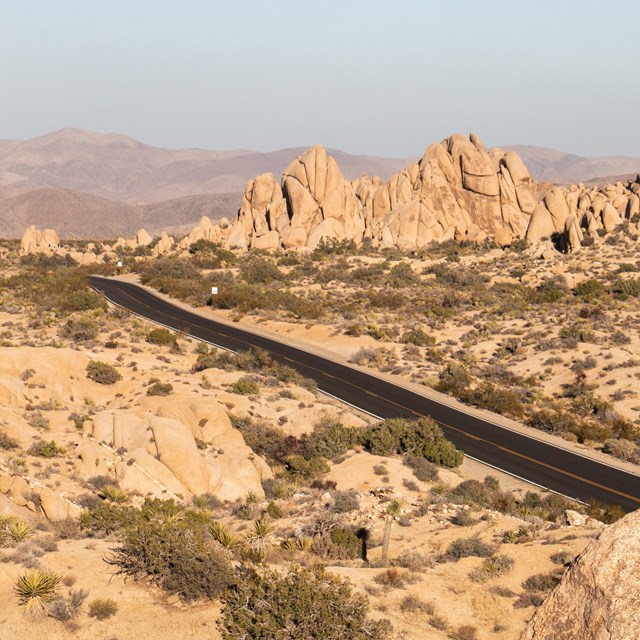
point(551, 165)
point(87, 184)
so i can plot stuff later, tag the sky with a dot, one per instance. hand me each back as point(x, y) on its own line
point(365, 76)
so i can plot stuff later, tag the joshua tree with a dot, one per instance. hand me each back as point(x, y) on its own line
point(393, 509)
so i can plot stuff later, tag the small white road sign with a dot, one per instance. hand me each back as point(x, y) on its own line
point(214, 291)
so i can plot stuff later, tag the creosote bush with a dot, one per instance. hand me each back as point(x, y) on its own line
point(176, 554)
point(102, 372)
point(421, 437)
point(161, 336)
point(299, 605)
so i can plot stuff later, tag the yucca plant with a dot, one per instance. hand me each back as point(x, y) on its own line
point(222, 535)
point(35, 588)
point(304, 543)
point(298, 543)
point(114, 494)
point(18, 530)
point(258, 539)
point(289, 544)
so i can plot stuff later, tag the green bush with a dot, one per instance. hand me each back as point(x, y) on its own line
point(44, 449)
point(102, 373)
point(421, 437)
point(465, 547)
point(179, 558)
point(299, 605)
point(160, 389)
point(589, 290)
point(79, 329)
point(418, 337)
point(161, 336)
point(246, 386)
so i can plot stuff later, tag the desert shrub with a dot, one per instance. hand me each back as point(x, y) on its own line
point(246, 386)
point(102, 608)
point(391, 577)
point(418, 337)
point(422, 469)
point(589, 290)
point(274, 511)
point(493, 398)
point(465, 632)
point(454, 380)
point(348, 540)
point(171, 268)
point(562, 557)
point(84, 299)
point(421, 437)
point(624, 289)
point(100, 482)
point(181, 559)
point(106, 518)
point(161, 336)
point(79, 329)
point(37, 420)
point(414, 604)
point(333, 247)
point(102, 372)
point(301, 604)
point(44, 449)
point(7, 442)
point(160, 389)
point(607, 513)
point(578, 332)
point(492, 567)
point(64, 609)
point(251, 361)
point(463, 518)
point(306, 468)
point(621, 449)
point(465, 547)
point(258, 270)
point(471, 492)
point(330, 438)
point(345, 501)
point(541, 582)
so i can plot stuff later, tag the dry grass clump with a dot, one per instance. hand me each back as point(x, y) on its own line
point(102, 608)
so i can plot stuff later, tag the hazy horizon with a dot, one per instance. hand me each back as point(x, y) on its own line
point(363, 77)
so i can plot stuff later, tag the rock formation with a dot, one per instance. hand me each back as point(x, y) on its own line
point(36, 241)
point(456, 190)
point(599, 596)
point(571, 213)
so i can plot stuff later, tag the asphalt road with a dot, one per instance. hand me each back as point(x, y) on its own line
point(535, 460)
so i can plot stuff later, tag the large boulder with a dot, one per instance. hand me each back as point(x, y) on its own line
point(599, 596)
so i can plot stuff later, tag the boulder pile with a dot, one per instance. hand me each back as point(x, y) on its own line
point(457, 190)
point(575, 212)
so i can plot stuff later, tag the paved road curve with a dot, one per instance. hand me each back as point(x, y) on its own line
point(558, 469)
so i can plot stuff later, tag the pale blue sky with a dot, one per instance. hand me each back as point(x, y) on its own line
point(384, 78)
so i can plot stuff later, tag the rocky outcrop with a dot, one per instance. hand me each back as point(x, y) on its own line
point(36, 241)
point(457, 190)
point(599, 596)
point(160, 440)
point(572, 213)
